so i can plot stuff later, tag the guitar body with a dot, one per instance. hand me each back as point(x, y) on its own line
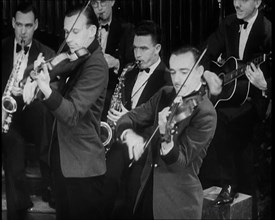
point(236, 87)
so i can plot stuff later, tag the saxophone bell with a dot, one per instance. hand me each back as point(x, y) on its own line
point(107, 129)
point(9, 104)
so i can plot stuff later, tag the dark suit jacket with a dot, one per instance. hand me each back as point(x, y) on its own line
point(78, 113)
point(177, 191)
point(226, 41)
point(119, 45)
point(159, 78)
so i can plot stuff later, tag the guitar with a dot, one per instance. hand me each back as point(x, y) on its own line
point(236, 86)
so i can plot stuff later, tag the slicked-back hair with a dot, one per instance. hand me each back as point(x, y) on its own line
point(25, 7)
point(149, 27)
point(88, 12)
point(185, 49)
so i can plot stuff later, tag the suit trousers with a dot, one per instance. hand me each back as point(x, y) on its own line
point(17, 191)
point(76, 198)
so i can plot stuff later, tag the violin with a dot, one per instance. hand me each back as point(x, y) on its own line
point(181, 108)
point(58, 65)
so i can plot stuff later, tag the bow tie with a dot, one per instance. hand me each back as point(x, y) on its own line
point(105, 26)
point(245, 23)
point(147, 70)
point(19, 48)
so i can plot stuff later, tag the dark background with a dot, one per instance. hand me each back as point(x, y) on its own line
point(182, 21)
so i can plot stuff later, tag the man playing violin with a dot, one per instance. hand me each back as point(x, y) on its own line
point(26, 124)
point(170, 187)
point(77, 154)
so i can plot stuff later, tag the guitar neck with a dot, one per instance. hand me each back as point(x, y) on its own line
point(228, 78)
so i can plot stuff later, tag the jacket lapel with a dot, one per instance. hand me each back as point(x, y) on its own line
point(130, 79)
point(152, 85)
point(256, 35)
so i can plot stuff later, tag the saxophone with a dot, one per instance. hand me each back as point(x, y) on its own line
point(108, 128)
point(9, 105)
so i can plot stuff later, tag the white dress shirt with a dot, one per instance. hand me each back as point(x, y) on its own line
point(244, 33)
point(141, 82)
point(103, 37)
point(23, 64)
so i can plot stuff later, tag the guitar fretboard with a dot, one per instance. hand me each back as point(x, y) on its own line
point(241, 70)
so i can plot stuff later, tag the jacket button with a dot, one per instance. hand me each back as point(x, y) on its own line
point(156, 165)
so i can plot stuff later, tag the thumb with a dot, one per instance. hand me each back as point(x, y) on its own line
point(130, 151)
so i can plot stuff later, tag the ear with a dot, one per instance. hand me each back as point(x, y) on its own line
point(113, 2)
point(13, 22)
point(35, 24)
point(258, 3)
point(158, 48)
point(200, 69)
point(92, 31)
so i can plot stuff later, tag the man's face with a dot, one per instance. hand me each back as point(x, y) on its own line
point(24, 25)
point(103, 9)
point(180, 66)
point(146, 51)
point(245, 9)
point(81, 35)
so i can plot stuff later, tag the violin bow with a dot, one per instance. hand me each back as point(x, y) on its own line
point(155, 131)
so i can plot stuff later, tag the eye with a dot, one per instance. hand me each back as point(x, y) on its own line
point(171, 71)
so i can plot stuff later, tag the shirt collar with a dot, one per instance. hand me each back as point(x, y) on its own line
point(154, 66)
point(252, 20)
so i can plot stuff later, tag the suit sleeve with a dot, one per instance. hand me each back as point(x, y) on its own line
point(194, 135)
point(90, 84)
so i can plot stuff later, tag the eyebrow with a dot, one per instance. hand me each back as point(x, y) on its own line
point(18, 22)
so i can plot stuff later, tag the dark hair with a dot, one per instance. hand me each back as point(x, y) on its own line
point(185, 49)
point(88, 12)
point(149, 27)
point(26, 7)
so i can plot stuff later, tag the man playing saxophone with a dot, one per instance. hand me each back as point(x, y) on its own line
point(18, 52)
point(139, 85)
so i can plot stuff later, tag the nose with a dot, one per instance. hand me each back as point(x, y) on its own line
point(23, 30)
point(99, 5)
point(68, 38)
point(137, 53)
point(177, 78)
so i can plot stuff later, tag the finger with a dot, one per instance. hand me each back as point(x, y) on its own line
point(130, 152)
point(38, 61)
point(252, 66)
point(110, 118)
point(49, 66)
point(45, 68)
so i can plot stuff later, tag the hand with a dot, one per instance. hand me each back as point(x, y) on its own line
point(256, 76)
point(214, 82)
point(114, 115)
point(29, 91)
point(112, 61)
point(162, 119)
point(42, 78)
point(135, 144)
point(16, 91)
